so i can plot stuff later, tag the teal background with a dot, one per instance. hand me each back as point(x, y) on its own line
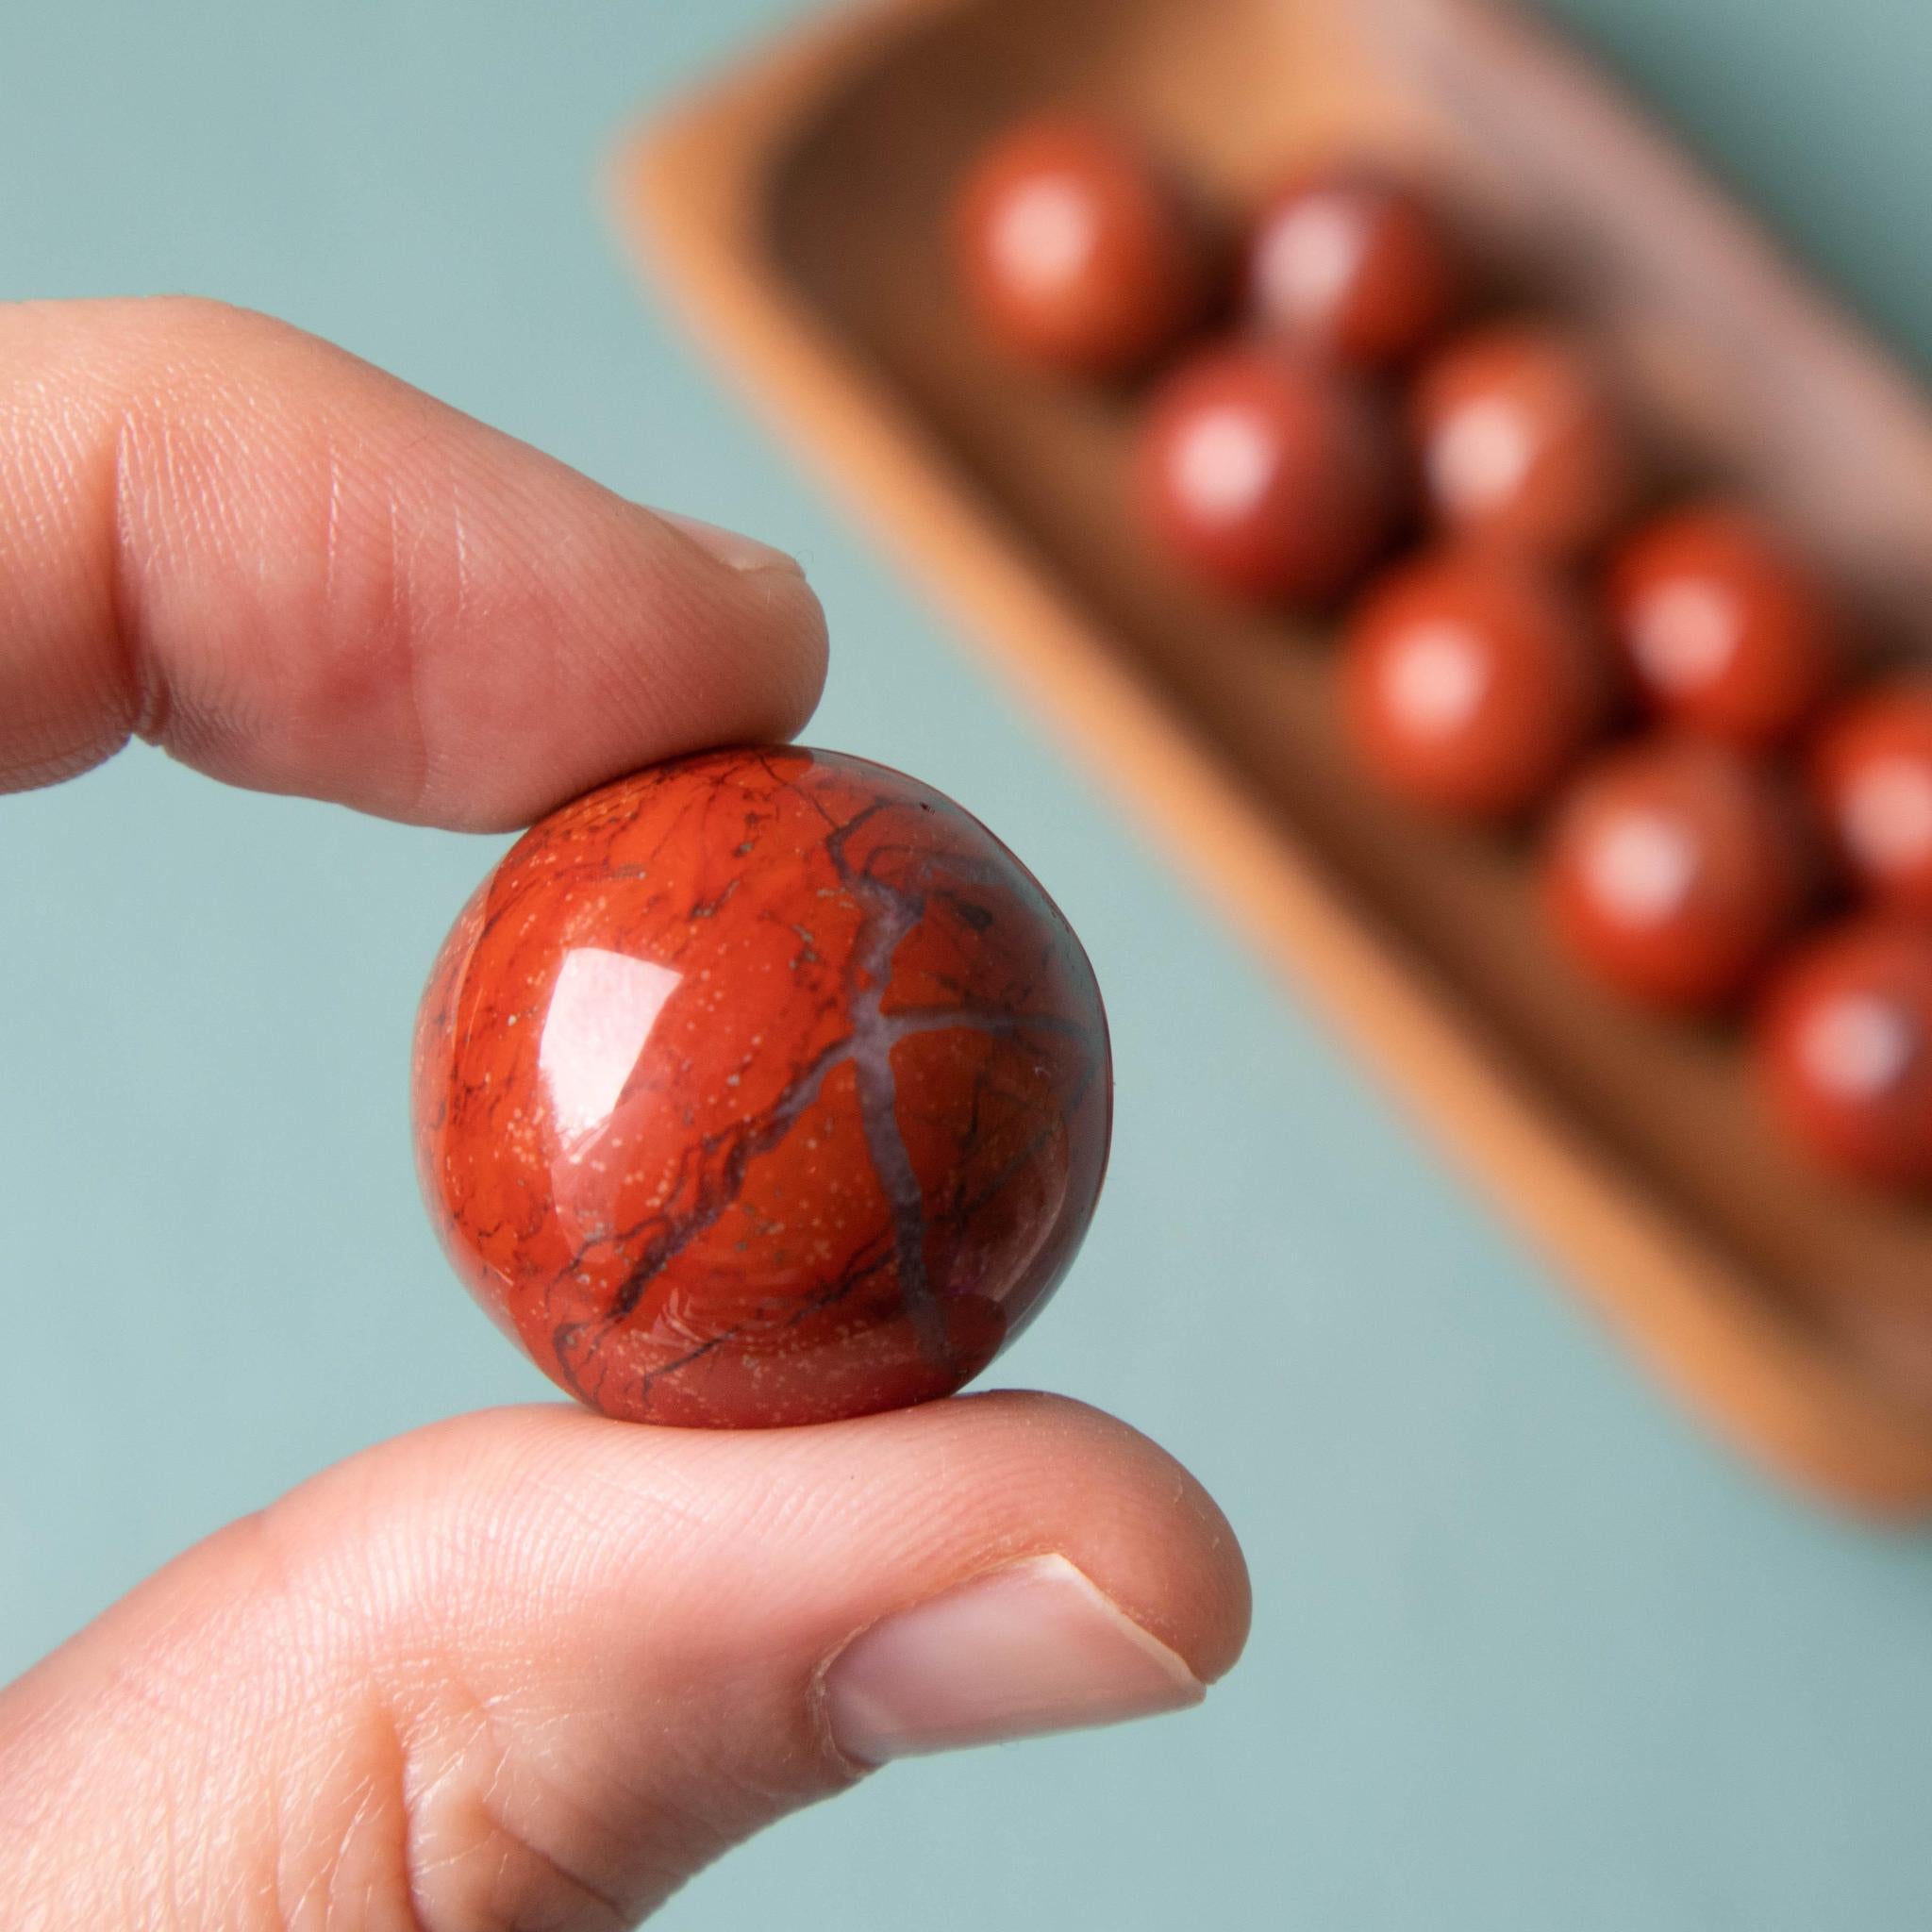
point(1527, 1652)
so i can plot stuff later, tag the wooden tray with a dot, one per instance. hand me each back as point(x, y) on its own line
point(797, 210)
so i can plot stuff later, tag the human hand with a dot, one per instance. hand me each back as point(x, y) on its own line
point(529, 1667)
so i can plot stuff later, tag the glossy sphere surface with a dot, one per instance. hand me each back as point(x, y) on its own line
point(1872, 777)
point(1674, 868)
point(1077, 251)
point(1472, 683)
point(764, 1087)
point(1271, 478)
point(1726, 629)
point(1521, 442)
point(1845, 1051)
point(1353, 266)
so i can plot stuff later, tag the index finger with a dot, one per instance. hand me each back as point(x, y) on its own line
point(298, 573)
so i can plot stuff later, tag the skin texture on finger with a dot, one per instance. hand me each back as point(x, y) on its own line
point(532, 1668)
point(300, 574)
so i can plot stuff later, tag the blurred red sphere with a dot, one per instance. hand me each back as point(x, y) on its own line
point(1352, 265)
point(1269, 476)
point(1471, 682)
point(1727, 628)
point(1521, 441)
point(1871, 772)
point(1076, 249)
point(1674, 868)
point(1845, 1050)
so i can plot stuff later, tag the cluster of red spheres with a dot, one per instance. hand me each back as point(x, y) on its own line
point(1334, 413)
point(764, 1087)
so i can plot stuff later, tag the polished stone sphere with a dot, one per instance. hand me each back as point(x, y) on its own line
point(1872, 776)
point(1521, 442)
point(1354, 264)
point(1844, 1048)
point(764, 1087)
point(1728, 630)
point(1078, 251)
point(1676, 869)
point(1471, 682)
point(1268, 476)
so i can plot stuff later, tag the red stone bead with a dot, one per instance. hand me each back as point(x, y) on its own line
point(1077, 250)
point(1844, 1048)
point(1727, 628)
point(1270, 477)
point(764, 1087)
point(1521, 441)
point(1352, 265)
point(1471, 682)
point(1872, 772)
point(1674, 868)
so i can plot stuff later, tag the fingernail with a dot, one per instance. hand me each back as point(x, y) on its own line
point(1031, 1648)
point(731, 548)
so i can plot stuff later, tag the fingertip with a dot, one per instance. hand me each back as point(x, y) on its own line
point(299, 575)
point(761, 677)
point(675, 650)
point(732, 548)
point(1147, 1530)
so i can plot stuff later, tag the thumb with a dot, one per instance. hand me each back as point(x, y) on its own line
point(532, 1668)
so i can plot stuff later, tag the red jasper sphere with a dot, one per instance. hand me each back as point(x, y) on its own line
point(763, 1086)
point(1077, 251)
point(1727, 628)
point(1270, 477)
point(1871, 772)
point(1471, 683)
point(1844, 1048)
point(1674, 868)
point(1520, 440)
point(1352, 265)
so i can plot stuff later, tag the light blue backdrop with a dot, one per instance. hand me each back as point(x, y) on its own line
point(1527, 1653)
